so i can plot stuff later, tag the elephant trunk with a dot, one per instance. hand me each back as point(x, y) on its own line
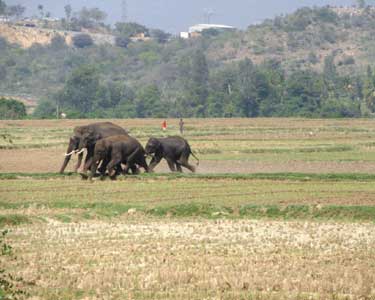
point(65, 163)
point(69, 152)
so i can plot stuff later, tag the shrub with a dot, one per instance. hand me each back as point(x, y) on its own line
point(82, 40)
point(45, 110)
point(122, 41)
point(11, 109)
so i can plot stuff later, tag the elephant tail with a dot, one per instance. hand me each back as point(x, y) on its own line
point(192, 153)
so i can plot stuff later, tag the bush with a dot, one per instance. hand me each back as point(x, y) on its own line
point(11, 109)
point(122, 41)
point(58, 42)
point(82, 40)
point(340, 108)
point(347, 60)
point(45, 110)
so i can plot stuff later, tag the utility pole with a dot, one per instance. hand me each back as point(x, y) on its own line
point(124, 11)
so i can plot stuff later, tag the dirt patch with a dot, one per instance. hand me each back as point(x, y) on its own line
point(50, 160)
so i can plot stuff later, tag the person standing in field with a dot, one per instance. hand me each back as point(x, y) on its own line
point(181, 124)
point(164, 125)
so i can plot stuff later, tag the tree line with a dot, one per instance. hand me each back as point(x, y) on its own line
point(240, 89)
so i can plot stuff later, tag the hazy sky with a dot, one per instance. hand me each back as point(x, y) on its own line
point(174, 16)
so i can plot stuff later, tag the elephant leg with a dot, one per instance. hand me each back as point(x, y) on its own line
point(93, 168)
point(184, 162)
point(118, 169)
point(130, 162)
point(142, 162)
point(111, 165)
point(88, 160)
point(78, 164)
point(103, 167)
point(154, 161)
point(171, 165)
point(178, 166)
point(135, 170)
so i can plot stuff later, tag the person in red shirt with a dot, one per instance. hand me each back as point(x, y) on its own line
point(164, 125)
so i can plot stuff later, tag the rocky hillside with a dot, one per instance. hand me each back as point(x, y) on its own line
point(305, 39)
point(28, 36)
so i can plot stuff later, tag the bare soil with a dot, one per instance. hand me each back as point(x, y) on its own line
point(50, 160)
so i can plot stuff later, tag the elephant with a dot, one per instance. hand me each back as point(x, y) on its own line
point(115, 150)
point(175, 149)
point(86, 137)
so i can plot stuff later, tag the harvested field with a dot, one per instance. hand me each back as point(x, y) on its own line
point(279, 209)
point(139, 258)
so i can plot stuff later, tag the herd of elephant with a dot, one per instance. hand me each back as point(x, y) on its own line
point(111, 150)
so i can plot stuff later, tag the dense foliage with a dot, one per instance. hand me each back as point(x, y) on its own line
point(290, 66)
point(11, 109)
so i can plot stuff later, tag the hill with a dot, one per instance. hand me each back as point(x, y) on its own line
point(314, 62)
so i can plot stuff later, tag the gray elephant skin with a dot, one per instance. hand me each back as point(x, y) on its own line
point(86, 137)
point(115, 150)
point(174, 149)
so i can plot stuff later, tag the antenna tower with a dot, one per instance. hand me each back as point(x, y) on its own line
point(208, 13)
point(124, 11)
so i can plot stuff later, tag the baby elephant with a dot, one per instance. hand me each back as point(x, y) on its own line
point(115, 150)
point(175, 149)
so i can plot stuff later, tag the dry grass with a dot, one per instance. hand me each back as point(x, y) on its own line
point(141, 258)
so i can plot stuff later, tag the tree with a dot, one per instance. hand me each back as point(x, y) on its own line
point(196, 85)
point(15, 11)
point(41, 10)
point(148, 103)
point(122, 41)
point(3, 7)
point(130, 29)
point(304, 89)
point(82, 40)
point(45, 110)
point(68, 12)
point(361, 3)
point(81, 90)
point(90, 17)
point(11, 109)
point(159, 35)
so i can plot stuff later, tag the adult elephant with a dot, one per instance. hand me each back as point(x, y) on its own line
point(174, 149)
point(115, 150)
point(86, 137)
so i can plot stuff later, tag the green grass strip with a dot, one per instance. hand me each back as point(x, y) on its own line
point(13, 220)
point(208, 211)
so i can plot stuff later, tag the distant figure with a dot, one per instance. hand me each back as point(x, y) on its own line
point(181, 126)
point(164, 125)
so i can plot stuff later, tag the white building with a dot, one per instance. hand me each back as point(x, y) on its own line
point(196, 30)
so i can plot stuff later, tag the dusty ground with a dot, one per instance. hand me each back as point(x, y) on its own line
point(50, 160)
point(139, 258)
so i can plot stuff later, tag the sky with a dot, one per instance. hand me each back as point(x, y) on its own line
point(177, 15)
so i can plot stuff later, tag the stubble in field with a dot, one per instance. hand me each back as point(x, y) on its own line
point(152, 259)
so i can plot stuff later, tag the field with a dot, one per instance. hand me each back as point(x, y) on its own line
point(278, 209)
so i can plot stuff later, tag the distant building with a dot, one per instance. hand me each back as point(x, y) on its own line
point(4, 19)
point(196, 30)
point(142, 36)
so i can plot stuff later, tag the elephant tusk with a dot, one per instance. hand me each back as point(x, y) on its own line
point(80, 151)
point(70, 154)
